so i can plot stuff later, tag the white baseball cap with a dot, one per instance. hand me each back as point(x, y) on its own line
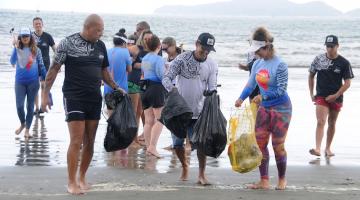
point(256, 45)
point(25, 31)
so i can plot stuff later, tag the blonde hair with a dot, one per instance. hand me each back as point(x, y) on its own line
point(140, 41)
point(262, 34)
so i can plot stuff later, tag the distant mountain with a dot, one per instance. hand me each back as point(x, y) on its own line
point(353, 13)
point(253, 8)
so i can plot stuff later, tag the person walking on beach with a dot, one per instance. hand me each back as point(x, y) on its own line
point(153, 99)
point(270, 73)
point(120, 62)
point(331, 69)
point(195, 73)
point(138, 51)
point(43, 40)
point(29, 64)
point(86, 61)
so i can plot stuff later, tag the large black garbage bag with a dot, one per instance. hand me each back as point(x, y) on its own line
point(176, 114)
point(122, 126)
point(209, 134)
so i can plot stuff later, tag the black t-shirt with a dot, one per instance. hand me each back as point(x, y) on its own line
point(330, 73)
point(135, 75)
point(84, 62)
point(43, 43)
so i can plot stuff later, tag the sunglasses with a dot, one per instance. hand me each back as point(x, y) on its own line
point(330, 46)
point(24, 36)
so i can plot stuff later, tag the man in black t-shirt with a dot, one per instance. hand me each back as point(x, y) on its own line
point(44, 41)
point(331, 70)
point(86, 61)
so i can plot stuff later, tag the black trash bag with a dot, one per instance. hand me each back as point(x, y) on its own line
point(209, 134)
point(113, 98)
point(176, 114)
point(122, 126)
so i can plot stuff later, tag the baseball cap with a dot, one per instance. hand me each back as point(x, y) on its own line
point(25, 31)
point(207, 41)
point(256, 45)
point(331, 40)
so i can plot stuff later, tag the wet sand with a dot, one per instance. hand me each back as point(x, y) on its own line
point(312, 182)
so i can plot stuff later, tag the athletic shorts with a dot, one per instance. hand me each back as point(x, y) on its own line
point(154, 96)
point(332, 106)
point(76, 110)
point(133, 88)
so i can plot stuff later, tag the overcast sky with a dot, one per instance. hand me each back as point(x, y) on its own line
point(134, 6)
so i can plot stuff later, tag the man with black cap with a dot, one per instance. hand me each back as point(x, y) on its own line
point(331, 69)
point(196, 73)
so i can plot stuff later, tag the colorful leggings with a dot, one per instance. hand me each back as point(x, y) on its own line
point(273, 121)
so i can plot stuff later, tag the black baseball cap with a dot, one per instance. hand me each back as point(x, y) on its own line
point(331, 40)
point(207, 41)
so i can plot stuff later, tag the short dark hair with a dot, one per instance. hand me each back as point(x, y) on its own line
point(153, 43)
point(37, 18)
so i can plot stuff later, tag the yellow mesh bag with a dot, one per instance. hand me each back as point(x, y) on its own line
point(243, 151)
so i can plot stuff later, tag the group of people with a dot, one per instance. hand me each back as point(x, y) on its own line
point(135, 66)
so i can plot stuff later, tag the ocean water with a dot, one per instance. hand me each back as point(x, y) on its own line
point(297, 39)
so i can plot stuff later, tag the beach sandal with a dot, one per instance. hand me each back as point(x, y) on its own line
point(329, 154)
point(314, 152)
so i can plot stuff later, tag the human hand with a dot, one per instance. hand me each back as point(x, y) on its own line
point(257, 99)
point(243, 67)
point(331, 98)
point(238, 103)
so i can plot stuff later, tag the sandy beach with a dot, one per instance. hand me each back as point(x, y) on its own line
point(312, 182)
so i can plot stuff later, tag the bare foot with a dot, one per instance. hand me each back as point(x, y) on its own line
point(18, 131)
point(184, 173)
point(262, 184)
point(328, 153)
point(153, 153)
point(281, 184)
point(27, 134)
point(314, 152)
point(74, 189)
point(84, 185)
point(203, 181)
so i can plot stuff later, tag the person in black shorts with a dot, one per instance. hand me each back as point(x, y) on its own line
point(44, 41)
point(333, 77)
point(153, 98)
point(86, 61)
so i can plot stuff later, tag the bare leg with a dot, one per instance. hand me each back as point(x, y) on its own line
point(202, 165)
point(333, 115)
point(135, 99)
point(149, 123)
point(321, 115)
point(76, 129)
point(155, 132)
point(87, 151)
point(180, 152)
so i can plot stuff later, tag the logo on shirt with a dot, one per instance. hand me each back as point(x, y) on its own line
point(263, 78)
point(101, 56)
point(337, 70)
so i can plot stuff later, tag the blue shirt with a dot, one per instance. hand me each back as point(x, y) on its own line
point(27, 65)
point(153, 67)
point(272, 78)
point(119, 59)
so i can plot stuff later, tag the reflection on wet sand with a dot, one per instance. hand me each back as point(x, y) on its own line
point(34, 151)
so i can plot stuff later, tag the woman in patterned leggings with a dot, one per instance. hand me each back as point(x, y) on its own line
point(270, 73)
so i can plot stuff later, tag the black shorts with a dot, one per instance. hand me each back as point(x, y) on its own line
point(76, 110)
point(154, 96)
